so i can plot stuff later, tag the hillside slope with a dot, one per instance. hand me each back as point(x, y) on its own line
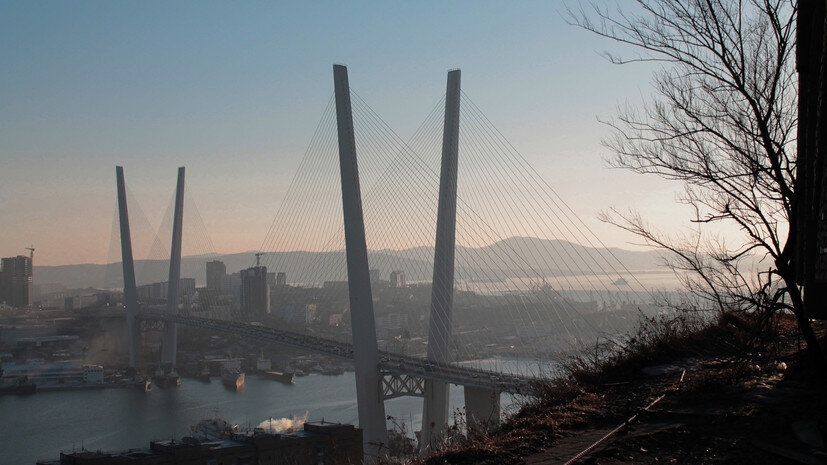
point(526, 257)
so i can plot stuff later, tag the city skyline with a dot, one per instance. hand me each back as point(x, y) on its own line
point(96, 86)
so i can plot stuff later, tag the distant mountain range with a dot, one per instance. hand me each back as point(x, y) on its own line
point(512, 258)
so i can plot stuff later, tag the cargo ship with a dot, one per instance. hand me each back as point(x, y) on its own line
point(286, 377)
point(233, 379)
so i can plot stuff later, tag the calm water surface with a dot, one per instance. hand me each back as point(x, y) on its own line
point(39, 426)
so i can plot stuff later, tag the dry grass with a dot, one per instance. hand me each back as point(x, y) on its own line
point(600, 386)
point(536, 426)
point(662, 340)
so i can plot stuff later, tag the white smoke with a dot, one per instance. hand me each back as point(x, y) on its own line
point(284, 425)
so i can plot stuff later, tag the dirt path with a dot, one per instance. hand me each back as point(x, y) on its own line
point(568, 447)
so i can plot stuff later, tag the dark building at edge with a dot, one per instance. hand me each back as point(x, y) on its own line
point(318, 443)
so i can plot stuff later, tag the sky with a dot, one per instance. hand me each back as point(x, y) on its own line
point(234, 90)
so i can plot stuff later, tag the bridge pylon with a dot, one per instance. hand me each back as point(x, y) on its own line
point(169, 348)
point(130, 291)
point(435, 405)
point(365, 350)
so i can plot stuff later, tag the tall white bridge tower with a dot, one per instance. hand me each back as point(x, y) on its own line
point(375, 382)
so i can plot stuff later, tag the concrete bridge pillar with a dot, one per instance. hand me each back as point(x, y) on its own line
point(482, 409)
point(130, 292)
point(169, 349)
point(435, 405)
point(365, 350)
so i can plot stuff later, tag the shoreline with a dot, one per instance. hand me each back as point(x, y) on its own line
point(78, 387)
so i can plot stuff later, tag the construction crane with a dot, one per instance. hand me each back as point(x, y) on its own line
point(31, 252)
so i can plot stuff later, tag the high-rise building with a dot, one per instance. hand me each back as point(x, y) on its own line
point(216, 272)
point(255, 293)
point(375, 275)
point(398, 278)
point(16, 281)
point(281, 278)
point(186, 287)
point(159, 291)
point(232, 285)
point(153, 291)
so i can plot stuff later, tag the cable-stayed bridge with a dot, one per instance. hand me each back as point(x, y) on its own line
point(472, 293)
point(391, 365)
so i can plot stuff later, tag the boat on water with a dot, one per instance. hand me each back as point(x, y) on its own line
point(165, 380)
point(213, 429)
point(233, 379)
point(17, 386)
point(286, 377)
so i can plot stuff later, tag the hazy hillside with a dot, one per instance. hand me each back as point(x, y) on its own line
point(513, 257)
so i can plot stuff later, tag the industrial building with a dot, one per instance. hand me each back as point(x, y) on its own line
point(318, 443)
point(53, 374)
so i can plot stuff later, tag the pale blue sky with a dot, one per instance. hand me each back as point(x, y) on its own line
point(233, 90)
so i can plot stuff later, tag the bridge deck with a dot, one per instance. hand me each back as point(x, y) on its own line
point(388, 362)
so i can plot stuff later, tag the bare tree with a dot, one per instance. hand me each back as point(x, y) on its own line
point(722, 121)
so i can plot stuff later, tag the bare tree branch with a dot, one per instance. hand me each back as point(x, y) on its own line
point(722, 121)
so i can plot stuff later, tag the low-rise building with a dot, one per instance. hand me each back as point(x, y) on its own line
point(398, 278)
point(55, 374)
point(317, 443)
point(301, 314)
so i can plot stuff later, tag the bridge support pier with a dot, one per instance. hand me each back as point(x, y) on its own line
point(365, 350)
point(169, 349)
point(482, 409)
point(435, 406)
point(130, 292)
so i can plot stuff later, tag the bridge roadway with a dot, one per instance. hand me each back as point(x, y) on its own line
point(388, 362)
